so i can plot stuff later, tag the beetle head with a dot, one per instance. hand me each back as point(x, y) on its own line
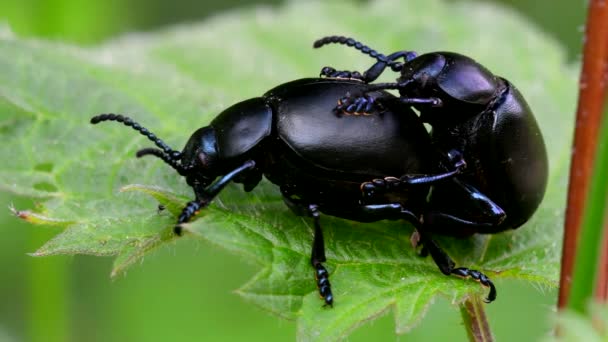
point(421, 74)
point(196, 162)
point(198, 158)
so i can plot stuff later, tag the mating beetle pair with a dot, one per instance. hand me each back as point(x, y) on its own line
point(482, 168)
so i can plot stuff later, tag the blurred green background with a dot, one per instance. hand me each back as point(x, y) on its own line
point(72, 298)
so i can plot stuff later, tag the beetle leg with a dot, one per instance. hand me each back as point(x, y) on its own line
point(355, 104)
point(464, 272)
point(317, 256)
point(333, 73)
point(446, 266)
point(378, 68)
point(359, 105)
point(383, 61)
point(431, 101)
point(459, 209)
point(448, 224)
point(442, 260)
point(382, 185)
point(204, 197)
point(349, 104)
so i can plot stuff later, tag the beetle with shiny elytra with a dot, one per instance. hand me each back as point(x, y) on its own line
point(319, 161)
point(474, 112)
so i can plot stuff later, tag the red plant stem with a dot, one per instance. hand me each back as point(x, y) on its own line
point(601, 293)
point(588, 120)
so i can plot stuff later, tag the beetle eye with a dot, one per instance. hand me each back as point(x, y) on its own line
point(454, 154)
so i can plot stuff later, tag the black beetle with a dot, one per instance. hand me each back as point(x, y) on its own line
point(318, 160)
point(480, 115)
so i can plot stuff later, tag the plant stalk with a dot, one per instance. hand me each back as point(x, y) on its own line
point(475, 320)
point(588, 120)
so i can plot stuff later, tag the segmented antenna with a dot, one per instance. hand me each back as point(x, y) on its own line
point(352, 43)
point(165, 157)
point(127, 121)
point(395, 66)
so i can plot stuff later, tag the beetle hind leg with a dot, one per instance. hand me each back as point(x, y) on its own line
point(447, 266)
point(317, 257)
point(464, 272)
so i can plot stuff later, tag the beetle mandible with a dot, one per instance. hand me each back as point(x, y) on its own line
point(318, 160)
point(472, 111)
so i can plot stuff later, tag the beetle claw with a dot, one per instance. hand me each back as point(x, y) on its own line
point(479, 277)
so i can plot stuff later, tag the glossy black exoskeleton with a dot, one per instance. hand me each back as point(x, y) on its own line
point(472, 111)
point(319, 160)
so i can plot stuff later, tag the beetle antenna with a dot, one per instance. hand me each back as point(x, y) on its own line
point(390, 61)
point(352, 43)
point(165, 157)
point(127, 121)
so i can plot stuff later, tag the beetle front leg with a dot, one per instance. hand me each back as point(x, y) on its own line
point(330, 72)
point(372, 73)
point(430, 101)
point(205, 196)
point(382, 185)
point(349, 103)
point(317, 257)
point(363, 104)
point(356, 105)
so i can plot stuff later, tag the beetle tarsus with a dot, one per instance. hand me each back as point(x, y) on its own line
point(356, 105)
point(447, 266)
point(207, 195)
point(464, 272)
point(330, 72)
point(322, 277)
point(189, 211)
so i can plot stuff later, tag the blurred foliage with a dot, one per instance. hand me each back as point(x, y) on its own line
point(90, 21)
point(65, 298)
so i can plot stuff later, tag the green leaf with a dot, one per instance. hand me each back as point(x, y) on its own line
point(177, 80)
